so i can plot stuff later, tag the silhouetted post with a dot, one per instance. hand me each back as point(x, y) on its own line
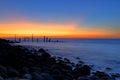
point(15, 37)
point(32, 37)
point(37, 39)
point(24, 39)
point(19, 39)
point(49, 40)
point(44, 39)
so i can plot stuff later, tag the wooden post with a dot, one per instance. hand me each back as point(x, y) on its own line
point(44, 39)
point(19, 39)
point(49, 40)
point(32, 37)
point(37, 39)
point(15, 37)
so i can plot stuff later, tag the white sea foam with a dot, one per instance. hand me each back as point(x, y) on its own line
point(101, 53)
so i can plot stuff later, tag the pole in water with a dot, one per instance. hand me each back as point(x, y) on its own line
point(19, 39)
point(24, 39)
point(37, 39)
point(48, 39)
point(32, 37)
point(15, 37)
point(44, 39)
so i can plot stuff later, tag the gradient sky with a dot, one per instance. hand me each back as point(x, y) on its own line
point(60, 18)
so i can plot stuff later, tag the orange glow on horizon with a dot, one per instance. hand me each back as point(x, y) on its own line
point(54, 30)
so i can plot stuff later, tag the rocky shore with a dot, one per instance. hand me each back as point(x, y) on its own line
point(19, 63)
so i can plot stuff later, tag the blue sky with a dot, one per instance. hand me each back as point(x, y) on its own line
point(94, 13)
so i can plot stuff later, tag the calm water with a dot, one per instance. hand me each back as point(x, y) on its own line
point(101, 53)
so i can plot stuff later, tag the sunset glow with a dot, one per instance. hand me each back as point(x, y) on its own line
point(55, 30)
point(60, 19)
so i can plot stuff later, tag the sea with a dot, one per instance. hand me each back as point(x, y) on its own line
point(100, 53)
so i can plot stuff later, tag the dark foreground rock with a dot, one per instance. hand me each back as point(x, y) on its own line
point(17, 62)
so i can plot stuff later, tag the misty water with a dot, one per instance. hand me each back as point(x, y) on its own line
point(101, 53)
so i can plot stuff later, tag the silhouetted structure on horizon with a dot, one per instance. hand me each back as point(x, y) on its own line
point(15, 37)
point(32, 39)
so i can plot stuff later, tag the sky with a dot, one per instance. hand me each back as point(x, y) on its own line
point(60, 18)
